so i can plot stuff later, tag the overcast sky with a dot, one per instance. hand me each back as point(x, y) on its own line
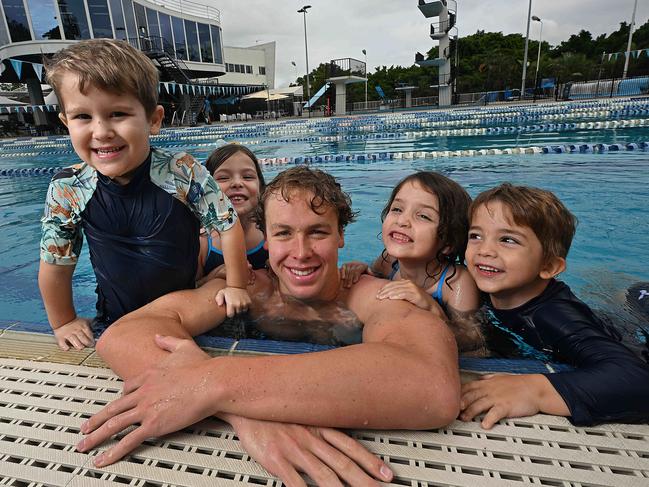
point(393, 30)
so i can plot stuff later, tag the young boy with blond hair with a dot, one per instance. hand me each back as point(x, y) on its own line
point(519, 238)
point(140, 208)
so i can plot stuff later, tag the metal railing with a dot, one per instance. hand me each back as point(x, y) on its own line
point(346, 67)
point(191, 8)
point(606, 88)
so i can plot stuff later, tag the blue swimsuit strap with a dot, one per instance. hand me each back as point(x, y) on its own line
point(212, 249)
point(437, 294)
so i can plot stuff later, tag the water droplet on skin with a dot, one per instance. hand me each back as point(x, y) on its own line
point(366, 422)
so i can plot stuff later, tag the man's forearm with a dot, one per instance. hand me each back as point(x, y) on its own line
point(373, 385)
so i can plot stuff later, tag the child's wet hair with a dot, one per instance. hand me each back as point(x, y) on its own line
point(453, 204)
point(538, 209)
point(325, 190)
point(223, 153)
point(106, 64)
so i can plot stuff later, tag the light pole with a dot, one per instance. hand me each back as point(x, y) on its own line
point(527, 40)
point(365, 54)
point(628, 45)
point(306, 50)
point(538, 55)
point(294, 69)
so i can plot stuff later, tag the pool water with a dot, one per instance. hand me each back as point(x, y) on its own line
point(607, 192)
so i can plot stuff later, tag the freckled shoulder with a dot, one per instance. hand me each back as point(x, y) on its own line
point(363, 294)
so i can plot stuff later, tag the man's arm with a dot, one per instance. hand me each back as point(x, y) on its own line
point(404, 375)
point(128, 345)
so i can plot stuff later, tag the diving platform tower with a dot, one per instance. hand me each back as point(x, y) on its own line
point(444, 31)
point(340, 73)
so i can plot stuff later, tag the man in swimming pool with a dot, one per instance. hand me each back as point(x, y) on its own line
point(404, 374)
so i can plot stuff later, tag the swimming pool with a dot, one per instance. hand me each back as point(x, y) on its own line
point(606, 189)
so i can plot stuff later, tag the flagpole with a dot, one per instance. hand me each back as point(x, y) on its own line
point(628, 46)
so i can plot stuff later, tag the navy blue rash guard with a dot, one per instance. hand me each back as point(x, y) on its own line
point(609, 383)
point(136, 249)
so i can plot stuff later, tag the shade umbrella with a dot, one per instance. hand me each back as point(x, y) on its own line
point(264, 95)
point(4, 101)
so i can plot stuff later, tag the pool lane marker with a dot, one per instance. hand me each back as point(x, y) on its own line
point(384, 156)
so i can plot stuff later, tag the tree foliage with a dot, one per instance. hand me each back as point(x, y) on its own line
point(493, 61)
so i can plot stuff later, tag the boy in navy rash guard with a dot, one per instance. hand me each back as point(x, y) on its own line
point(519, 238)
point(140, 208)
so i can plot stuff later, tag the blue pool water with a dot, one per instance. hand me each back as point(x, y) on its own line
point(607, 192)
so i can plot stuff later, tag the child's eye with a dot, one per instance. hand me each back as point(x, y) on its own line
point(425, 217)
point(81, 116)
point(249, 178)
point(474, 236)
point(221, 178)
point(509, 240)
point(118, 114)
point(395, 209)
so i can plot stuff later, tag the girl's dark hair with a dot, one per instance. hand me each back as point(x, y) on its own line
point(453, 228)
point(223, 153)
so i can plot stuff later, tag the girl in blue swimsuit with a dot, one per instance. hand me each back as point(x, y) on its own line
point(424, 231)
point(236, 170)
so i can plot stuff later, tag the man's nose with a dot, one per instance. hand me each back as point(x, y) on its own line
point(302, 247)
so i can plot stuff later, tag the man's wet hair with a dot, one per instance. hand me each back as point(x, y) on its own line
point(535, 208)
point(324, 190)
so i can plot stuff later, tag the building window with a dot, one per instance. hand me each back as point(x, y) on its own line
point(74, 20)
point(179, 38)
point(118, 19)
point(248, 69)
point(140, 22)
point(262, 70)
point(129, 17)
point(154, 28)
point(216, 44)
point(100, 18)
point(192, 41)
point(44, 19)
point(4, 35)
point(206, 43)
point(167, 36)
point(17, 20)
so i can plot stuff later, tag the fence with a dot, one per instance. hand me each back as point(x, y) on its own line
point(605, 88)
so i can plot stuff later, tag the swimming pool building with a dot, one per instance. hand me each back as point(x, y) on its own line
point(184, 39)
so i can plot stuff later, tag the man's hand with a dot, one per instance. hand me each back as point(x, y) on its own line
point(328, 456)
point(236, 300)
point(408, 291)
point(165, 399)
point(509, 396)
point(76, 333)
point(351, 272)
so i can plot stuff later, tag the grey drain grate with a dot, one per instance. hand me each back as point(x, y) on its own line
point(42, 406)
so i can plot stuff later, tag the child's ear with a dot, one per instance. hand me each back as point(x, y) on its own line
point(553, 267)
point(63, 119)
point(156, 120)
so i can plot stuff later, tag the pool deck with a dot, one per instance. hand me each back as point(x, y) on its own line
point(45, 394)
